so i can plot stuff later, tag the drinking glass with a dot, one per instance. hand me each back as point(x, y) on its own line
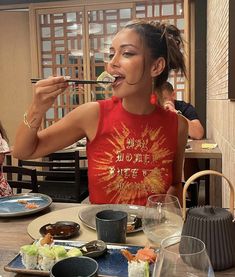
point(162, 217)
point(183, 256)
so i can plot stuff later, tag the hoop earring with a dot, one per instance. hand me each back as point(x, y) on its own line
point(153, 96)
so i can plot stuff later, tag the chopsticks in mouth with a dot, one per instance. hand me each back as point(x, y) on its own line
point(76, 81)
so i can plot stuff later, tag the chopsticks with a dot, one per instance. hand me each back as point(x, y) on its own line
point(76, 81)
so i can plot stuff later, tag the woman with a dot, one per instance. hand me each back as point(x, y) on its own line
point(135, 148)
point(5, 189)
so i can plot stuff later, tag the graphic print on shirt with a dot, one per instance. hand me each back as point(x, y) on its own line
point(138, 164)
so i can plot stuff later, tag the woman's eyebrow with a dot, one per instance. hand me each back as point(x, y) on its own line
point(125, 45)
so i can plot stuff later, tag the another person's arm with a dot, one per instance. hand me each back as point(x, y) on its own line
point(176, 187)
point(195, 128)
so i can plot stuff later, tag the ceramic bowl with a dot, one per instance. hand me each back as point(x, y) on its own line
point(75, 267)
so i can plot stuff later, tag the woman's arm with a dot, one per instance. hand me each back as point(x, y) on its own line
point(81, 122)
point(176, 187)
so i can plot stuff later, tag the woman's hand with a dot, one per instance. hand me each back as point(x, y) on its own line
point(46, 92)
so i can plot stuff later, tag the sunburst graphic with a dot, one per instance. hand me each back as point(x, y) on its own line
point(136, 167)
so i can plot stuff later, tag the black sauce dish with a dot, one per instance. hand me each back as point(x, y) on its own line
point(61, 229)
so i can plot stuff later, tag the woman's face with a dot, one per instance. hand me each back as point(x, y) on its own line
point(130, 64)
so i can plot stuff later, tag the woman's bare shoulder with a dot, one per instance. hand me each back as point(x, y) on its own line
point(86, 118)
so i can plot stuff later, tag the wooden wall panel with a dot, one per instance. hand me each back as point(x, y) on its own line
point(15, 68)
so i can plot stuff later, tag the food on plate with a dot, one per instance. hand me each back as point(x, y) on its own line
point(43, 253)
point(22, 201)
point(32, 205)
point(60, 252)
point(29, 254)
point(46, 240)
point(134, 222)
point(138, 264)
point(42, 257)
point(28, 205)
point(145, 254)
point(105, 76)
point(74, 252)
point(46, 257)
point(138, 269)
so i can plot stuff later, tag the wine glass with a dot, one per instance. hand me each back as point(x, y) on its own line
point(183, 256)
point(162, 217)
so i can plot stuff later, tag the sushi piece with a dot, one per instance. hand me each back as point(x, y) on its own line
point(60, 252)
point(46, 240)
point(146, 254)
point(29, 256)
point(138, 269)
point(74, 252)
point(105, 76)
point(46, 258)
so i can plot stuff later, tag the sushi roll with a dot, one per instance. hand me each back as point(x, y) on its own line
point(105, 76)
point(138, 269)
point(29, 255)
point(74, 252)
point(46, 258)
point(60, 252)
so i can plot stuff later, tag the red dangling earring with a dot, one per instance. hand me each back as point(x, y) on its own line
point(153, 96)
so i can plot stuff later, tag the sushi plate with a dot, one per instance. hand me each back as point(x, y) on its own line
point(112, 263)
point(23, 204)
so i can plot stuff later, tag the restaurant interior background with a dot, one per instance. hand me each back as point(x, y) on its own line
point(209, 86)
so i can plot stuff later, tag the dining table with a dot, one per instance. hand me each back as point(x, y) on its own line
point(207, 150)
point(18, 231)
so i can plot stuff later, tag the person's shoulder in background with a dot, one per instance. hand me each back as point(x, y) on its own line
point(187, 109)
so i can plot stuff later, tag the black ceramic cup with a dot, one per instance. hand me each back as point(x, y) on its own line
point(111, 226)
point(75, 267)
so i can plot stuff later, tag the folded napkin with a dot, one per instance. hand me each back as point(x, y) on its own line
point(209, 145)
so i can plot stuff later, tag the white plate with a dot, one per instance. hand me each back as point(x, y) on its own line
point(11, 206)
point(87, 215)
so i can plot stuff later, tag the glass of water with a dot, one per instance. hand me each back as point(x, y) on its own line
point(162, 217)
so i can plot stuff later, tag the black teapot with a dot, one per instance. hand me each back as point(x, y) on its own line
point(213, 225)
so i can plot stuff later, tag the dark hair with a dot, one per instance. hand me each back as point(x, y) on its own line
point(163, 40)
point(167, 86)
point(3, 132)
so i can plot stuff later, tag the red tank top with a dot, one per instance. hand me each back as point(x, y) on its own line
point(131, 156)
